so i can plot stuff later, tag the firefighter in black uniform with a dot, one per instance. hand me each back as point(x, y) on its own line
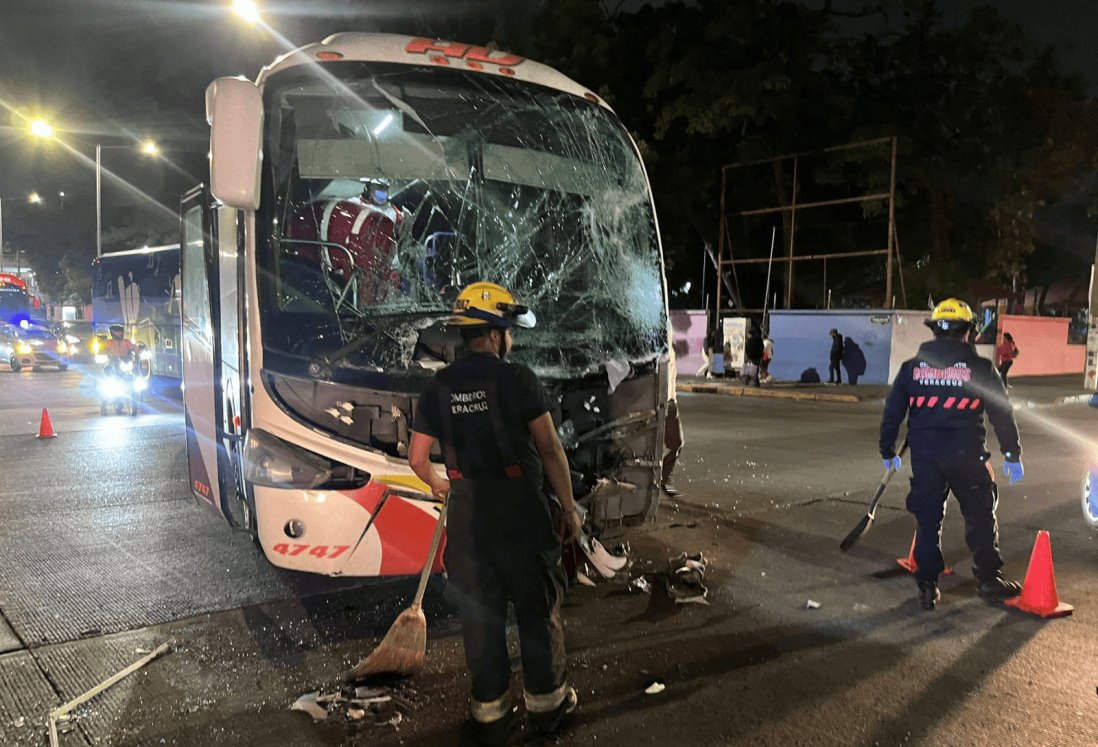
point(944, 391)
point(492, 421)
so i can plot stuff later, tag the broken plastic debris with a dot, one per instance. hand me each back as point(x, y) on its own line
point(859, 607)
point(616, 371)
point(584, 579)
point(356, 714)
point(811, 604)
point(326, 698)
point(142, 651)
point(655, 688)
point(308, 704)
point(395, 720)
point(640, 583)
point(19, 722)
point(364, 692)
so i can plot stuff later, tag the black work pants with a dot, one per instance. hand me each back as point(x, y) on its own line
point(501, 548)
point(1004, 368)
point(834, 371)
point(968, 474)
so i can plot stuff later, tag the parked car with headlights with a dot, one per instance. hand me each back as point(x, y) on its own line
point(38, 347)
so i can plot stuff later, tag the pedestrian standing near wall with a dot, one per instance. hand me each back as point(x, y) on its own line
point(1005, 355)
point(834, 368)
point(493, 425)
point(768, 355)
point(708, 347)
point(753, 352)
point(944, 392)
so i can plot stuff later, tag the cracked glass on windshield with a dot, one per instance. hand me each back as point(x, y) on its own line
point(390, 188)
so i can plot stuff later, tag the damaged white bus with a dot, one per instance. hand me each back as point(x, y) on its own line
point(355, 187)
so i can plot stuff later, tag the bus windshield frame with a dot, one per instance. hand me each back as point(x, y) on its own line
point(389, 187)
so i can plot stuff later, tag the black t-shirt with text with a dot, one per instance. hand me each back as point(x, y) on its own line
point(519, 397)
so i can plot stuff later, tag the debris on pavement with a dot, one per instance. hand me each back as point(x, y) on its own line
point(19, 722)
point(309, 703)
point(655, 688)
point(584, 579)
point(640, 583)
point(811, 604)
point(61, 713)
point(686, 577)
point(378, 706)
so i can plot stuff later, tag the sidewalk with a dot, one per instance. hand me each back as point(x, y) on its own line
point(1027, 391)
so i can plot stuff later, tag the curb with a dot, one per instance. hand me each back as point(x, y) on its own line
point(750, 391)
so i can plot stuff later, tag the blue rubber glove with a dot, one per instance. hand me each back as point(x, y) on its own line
point(1014, 471)
point(893, 464)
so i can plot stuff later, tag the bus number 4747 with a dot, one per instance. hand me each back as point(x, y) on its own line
point(317, 551)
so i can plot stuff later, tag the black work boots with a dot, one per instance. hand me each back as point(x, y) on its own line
point(928, 595)
point(997, 587)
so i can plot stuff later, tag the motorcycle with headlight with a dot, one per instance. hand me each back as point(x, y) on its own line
point(120, 386)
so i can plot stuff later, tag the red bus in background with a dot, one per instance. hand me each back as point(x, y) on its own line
point(15, 301)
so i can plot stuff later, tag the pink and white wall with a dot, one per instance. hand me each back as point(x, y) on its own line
point(1042, 345)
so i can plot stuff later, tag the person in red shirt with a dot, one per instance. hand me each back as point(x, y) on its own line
point(1005, 355)
point(118, 348)
point(368, 227)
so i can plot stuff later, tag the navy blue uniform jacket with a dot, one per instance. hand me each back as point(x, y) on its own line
point(944, 391)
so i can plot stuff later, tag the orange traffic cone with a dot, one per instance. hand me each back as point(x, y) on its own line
point(1039, 588)
point(909, 564)
point(45, 428)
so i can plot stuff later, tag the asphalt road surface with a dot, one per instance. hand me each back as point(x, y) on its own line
point(105, 555)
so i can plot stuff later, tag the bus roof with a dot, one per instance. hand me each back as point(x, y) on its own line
point(412, 50)
point(142, 250)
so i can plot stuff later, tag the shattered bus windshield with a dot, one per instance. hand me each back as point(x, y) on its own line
point(390, 188)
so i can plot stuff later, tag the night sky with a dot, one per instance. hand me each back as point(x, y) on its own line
point(117, 71)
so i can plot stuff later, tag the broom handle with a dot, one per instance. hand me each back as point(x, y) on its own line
point(426, 573)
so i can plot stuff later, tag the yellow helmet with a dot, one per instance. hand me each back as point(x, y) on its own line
point(953, 310)
point(488, 303)
point(951, 315)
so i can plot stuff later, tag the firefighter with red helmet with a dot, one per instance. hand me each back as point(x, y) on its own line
point(492, 420)
point(367, 227)
point(944, 392)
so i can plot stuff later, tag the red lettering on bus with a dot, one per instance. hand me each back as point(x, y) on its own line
point(423, 46)
point(472, 55)
point(503, 59)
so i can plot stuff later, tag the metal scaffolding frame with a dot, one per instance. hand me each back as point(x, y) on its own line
point(724, 242)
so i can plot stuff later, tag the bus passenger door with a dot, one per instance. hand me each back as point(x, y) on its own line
point(202, 401)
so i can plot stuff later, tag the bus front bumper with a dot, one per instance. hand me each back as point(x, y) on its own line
point(374, 530)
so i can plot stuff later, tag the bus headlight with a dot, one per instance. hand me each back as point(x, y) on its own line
point(270, 461)
point(140, 385)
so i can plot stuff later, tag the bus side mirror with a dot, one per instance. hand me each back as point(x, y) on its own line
point(234, 110)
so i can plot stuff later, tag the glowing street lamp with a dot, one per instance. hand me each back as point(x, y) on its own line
point(42, 129)
point(150, 148)
point(34, 198)
point(247, 10)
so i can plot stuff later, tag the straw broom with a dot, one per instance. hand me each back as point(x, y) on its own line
point(403, 650)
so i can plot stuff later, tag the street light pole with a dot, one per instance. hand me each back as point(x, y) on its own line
point(98, 201)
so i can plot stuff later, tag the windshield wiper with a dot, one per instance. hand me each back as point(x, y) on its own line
point(321, 366)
